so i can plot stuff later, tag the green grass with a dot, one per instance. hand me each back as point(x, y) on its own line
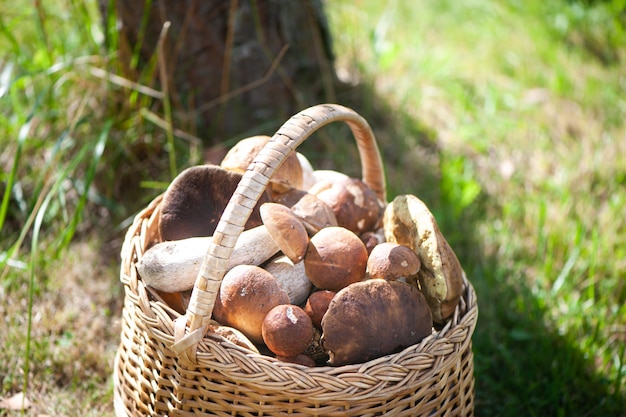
point(506, 117)
point(526, 102)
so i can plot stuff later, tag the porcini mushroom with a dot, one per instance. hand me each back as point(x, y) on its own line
point(335, 258)
point(286, 230)
point(325, 177)
point(408, 221)
point(173, 266)
point(313, 212)
point(373, 318)
point(232, 335)
point(287, 330)
point(389, 260)
point(355, 205)
point(317, 305)
point(195, 200)
point(291, 276)
point(372, 238)
point(242, 154)
point(247, 293)
point(308, 177)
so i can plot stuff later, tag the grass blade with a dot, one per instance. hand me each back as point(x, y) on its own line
point(13, 173)
point(89, 177)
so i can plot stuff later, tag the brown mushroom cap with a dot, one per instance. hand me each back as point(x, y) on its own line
point(317, 305)
point(371, 239)
point(287, 330)
point(195, 200)
point(313, 212)
point(247, 293)
point(373, 318)
point(355, 205)
point(241, 155)
point(335, 258)
point(286, 229)
point(389, 260)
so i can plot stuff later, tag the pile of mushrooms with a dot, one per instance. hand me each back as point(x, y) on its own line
point(324, 272)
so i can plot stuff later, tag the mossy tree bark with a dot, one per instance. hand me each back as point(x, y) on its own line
point(234, 67)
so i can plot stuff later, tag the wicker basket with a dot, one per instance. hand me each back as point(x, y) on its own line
point(169, 364)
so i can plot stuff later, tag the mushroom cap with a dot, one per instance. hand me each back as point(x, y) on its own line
point(408, 221)
point(287, 330)
point(317, 305)
point(335, 258)
point(195, 200)
point(285, 229)
point(314, 213)
point(241, 155)
point(373, 318)
point(389, 260)
point(247, 293)
point(371, 239)
point(355, 205)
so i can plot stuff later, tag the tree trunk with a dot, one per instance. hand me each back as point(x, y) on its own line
point(233, 67)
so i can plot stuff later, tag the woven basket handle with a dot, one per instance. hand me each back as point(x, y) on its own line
point(248, 192)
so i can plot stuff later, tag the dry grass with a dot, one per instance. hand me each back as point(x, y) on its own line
point(75, 330)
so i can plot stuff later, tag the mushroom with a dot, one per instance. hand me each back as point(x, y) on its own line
point(373, 318)
point(287, 330)
point(173, 266)
point(355, 205)
point(241, 155)
point(317, 305)
point(408, 221)
point(291, 277)
point(335, 258)
point(308, 176)
point(247, 293)
point(232, 335)
point(174, 300)
point(300, 359)
point(389, 260)
point(325, 177)
point(313, 212)
point(286, 230)
point(195, 200)
point(372, 238)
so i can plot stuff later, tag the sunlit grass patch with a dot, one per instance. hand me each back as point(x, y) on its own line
point(528, 119)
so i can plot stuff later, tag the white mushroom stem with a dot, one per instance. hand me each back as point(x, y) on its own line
point(173, 266)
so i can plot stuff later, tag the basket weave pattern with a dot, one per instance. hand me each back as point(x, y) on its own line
point(167, 363)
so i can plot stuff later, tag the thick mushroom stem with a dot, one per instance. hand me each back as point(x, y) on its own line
point(173, 266)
